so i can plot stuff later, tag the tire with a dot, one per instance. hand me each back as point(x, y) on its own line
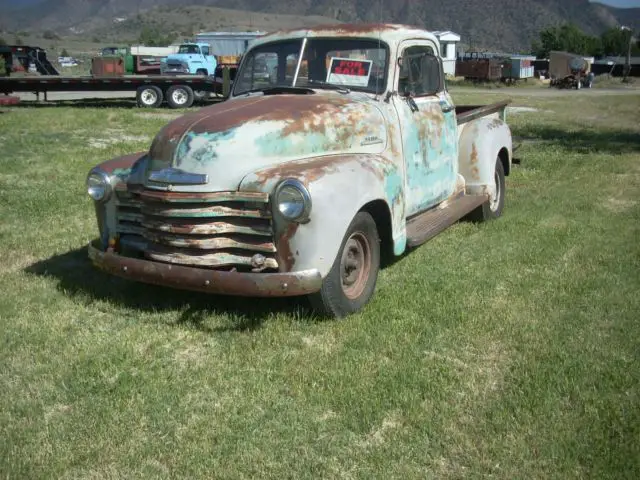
point(345, 292)
point(492, 209)
point(149, 96)
point(180, 96)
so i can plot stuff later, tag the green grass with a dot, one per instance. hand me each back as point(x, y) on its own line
point(503, 350)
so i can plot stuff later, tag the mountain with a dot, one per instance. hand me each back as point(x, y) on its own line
point(494, 24)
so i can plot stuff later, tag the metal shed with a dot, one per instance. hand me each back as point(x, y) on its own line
point(228, 43)
point(519, 66)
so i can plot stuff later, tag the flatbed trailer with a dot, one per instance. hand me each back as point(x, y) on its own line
point(179, 91)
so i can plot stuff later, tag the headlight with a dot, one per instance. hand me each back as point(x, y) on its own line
point(98, 185)
point(293, 200)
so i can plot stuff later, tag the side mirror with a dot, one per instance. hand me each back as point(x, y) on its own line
point(432, 77)
point(419, 75)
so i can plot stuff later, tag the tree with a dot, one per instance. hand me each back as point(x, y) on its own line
point(3, 70)
point(615, 41)
point(567, 37)
point(3, 41)
point(64, 53)
point(152, 37)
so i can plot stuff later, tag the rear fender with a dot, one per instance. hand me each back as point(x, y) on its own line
point(480, 143)
point(339, 186)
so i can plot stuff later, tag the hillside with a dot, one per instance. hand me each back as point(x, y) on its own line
point(495, 24)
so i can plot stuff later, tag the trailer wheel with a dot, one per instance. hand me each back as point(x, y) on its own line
point(149, 96)
point(180, 96)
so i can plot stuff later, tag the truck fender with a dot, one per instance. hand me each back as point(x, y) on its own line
point(481, 142)
point(126, 169)
point(339, 187)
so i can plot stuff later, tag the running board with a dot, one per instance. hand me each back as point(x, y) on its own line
point(427, 225)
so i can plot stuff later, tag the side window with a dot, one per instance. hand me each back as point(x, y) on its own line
point(420, 72)
point(205, 50)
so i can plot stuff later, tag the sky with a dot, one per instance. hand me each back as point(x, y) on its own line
point(620, 3)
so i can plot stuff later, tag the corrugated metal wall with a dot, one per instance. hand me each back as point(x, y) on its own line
point(227, 44)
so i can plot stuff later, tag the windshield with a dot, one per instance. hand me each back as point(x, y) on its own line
point(326, 63)
point(188, 49)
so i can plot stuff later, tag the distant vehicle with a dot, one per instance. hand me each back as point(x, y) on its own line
point(568, 70)
point(24, 58)
point(67, 62)
point(191, 59)
point(478, 67)
point(130, 60)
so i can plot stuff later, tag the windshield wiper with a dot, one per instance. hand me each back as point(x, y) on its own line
point(330, 86)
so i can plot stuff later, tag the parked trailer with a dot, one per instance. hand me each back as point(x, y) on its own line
point(567, 70)
point(518, 67)
point(151, 90)
point(479, 67)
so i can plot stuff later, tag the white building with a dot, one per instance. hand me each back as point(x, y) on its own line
point(448, 41)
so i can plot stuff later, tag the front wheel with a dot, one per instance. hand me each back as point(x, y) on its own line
point(492, 208)
point(351, 281)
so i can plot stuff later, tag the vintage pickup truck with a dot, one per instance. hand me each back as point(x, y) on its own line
point(350, 152)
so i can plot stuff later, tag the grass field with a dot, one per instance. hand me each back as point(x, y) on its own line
point(504, 350)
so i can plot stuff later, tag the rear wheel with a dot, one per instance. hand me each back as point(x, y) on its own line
point(492, 208)
point(179, 96)
point(351, 281)
point(149, 96)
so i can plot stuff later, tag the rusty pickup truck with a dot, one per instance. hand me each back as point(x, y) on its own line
point(338, 147)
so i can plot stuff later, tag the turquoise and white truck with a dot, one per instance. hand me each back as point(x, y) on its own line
point(191, 58)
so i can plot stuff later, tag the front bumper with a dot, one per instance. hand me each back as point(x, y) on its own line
point(210, 281)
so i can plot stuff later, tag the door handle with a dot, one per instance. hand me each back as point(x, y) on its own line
point(412, 104)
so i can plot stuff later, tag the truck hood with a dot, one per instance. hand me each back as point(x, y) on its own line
point(182, 57)
point(229, 140)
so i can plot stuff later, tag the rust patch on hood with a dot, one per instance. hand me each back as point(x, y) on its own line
point(268, 108)
point(293, 109)
point(307, 171)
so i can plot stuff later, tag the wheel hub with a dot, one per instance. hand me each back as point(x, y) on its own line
point(149, 97)
point(355, 265)
point(179, 97)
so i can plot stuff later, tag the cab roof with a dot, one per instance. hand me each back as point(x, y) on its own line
point(389, 33)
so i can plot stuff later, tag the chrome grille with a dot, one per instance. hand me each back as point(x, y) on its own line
point(211, 230)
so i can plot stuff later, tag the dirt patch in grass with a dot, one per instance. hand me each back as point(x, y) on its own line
point(115, 138)
point(619, 205)
point(158, 115)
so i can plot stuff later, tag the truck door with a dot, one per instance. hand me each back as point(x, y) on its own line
point(428, 126)
point(209, 60)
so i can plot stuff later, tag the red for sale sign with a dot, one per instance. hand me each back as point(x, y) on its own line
point(346, 71)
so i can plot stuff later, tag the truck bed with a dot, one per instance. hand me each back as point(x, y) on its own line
point(467, 113)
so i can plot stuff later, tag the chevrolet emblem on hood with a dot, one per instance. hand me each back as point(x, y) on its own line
point(176, 176)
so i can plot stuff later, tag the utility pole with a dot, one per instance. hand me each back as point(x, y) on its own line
point(627, 63)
